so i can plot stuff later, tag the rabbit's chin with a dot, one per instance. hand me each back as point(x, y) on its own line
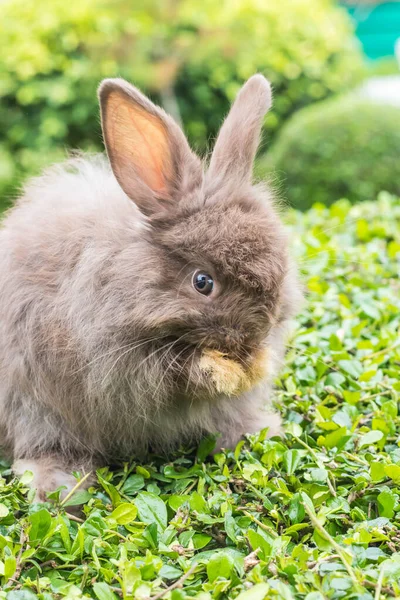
point(230, 377)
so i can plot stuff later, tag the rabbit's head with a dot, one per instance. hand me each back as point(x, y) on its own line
point(216, 286)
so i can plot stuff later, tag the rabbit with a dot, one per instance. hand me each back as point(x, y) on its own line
point(145, 296)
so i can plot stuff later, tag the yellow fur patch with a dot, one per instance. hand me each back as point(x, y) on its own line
point(229, 376)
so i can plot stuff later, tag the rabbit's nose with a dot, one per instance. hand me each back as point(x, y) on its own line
point(227, 339)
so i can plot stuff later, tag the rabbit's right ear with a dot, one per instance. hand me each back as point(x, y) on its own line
point(148, 152)
point(237, 142)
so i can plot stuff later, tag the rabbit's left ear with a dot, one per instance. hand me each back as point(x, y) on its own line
point(148, 152)
point(238, 139)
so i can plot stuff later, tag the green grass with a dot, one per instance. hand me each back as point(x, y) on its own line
point(313, 516)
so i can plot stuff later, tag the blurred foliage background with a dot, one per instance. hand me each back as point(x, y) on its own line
point(346, 147)
point(188, 56)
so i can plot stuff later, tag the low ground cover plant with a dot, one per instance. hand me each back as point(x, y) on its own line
point(314, 515)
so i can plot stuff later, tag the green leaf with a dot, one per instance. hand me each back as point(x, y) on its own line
point(258, 540)
point(391, 567)
point(205, 447)
point(178, 594)
point(318, 474)
point(296, 510)
point(110, 489)
point(230, 526)
point(169, 572)
point(80, 497)
point(40, 524)
point(200, 540)
point(393, 471)
point(370, 438)
point(143, 472)
point(335, 380)
point(307, 501)
point(198, 503)
point(10, 565)
point(152, 509)
point(291, 460)
point(386, 504)
point(194, 471)
point(351, 397)
point(150, 534)
point(124, 513)
point(65, 535)
point(259, 591)
point(78, 544)
point(377, 471)
point(175, 501)
point(133, 484)
point(103, 591)
point(333, 439)
point(293, 429)
point(220, 565)
point(24, 594)
point(352, 367)
point(95, 524)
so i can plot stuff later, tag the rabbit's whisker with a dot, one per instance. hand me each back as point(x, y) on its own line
point(132, 345)
point(157, 350)
point(168, 369)
point(119, 358)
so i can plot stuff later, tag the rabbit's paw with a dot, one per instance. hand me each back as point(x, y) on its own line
point(48, 475)
point(271, 420)
point(230, 438)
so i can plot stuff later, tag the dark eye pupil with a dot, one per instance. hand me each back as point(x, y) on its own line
point(203, 283)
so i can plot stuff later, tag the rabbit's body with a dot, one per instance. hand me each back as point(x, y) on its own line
point(101, 332)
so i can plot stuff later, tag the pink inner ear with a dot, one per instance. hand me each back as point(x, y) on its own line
point(138, 141)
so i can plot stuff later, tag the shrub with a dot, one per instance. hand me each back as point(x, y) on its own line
point(313, 515)
point(341, 148)
point(190, 56)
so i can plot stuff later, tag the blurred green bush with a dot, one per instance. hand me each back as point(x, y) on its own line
point(345, 147)
point(190, 56)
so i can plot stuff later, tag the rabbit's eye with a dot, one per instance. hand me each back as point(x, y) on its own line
point(203, 283)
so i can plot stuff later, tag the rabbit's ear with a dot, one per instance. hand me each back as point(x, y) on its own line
point(148, 152)
point(238, 138)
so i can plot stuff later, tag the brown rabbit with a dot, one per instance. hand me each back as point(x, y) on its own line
point(142, 305)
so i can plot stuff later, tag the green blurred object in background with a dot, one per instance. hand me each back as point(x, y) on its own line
point(346, 147)
point(377, 26)
point(191, 57)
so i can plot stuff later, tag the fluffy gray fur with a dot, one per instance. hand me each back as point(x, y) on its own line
point(101, 330)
